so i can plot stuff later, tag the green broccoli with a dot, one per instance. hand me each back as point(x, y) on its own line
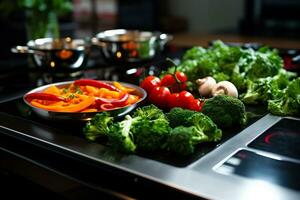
point(150, 135)
point(149, 112)
point(225, 111)
point(289, 102)
point(206, 125)
point(98, 126)
point(151, 129)
point(191, 129)
point(266, 64)
point(263, 89)
point(258, 91)
point(178, 116)
point(146, 130)
point(182, 140)
point(120, 136)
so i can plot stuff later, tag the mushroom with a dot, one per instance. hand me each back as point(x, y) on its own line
point(206, 85)
point(225, 88)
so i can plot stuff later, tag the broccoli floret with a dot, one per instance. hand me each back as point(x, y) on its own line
point(194, 53)
point(225, 111)
point(265, 65)
point(98, 126)
point(150, 135)
point(199, 128)
point(289, 103)
point(120, 136)
point(258, 91)
point(145, 130)
point(151, 129)
point(206, 125)
point(178, 116)
point(182, 140)
point(149, 112)
point(263, 89)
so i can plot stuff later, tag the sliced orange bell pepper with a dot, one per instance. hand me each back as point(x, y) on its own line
point(52, 90)
point(85, 101)
point(105, 93)
point(123, 88)
point(132, 99)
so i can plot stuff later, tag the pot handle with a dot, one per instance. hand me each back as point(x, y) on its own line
point(163, 39)
point(26, 50)
point(21, 49)
point(96, 42)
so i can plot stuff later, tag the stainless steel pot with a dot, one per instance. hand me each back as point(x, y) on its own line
point(122, 45)
point(58, 55)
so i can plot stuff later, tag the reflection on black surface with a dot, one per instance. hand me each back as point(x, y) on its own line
point(282, 138)
point(255, 166)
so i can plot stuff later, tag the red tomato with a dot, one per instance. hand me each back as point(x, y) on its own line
point(186, 99)
point(149, 83)
point(168, 80)
point(181, 76)
point(196, 105)
point(176, 82)
point(178, 87)
point(159, 96)
point(173, 100)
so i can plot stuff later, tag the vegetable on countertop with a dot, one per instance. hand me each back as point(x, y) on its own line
point(225, 111)
point(289, 102)
point(190, 128)
point(148, 129)
point(206, 85)
point(224, 88)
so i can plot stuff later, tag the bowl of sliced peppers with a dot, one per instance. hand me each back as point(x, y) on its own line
point(82, 99)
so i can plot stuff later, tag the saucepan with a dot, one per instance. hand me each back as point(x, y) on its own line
point(58, 55)
point(130, 46)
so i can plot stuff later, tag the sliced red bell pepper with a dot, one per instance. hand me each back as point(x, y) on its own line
point(95, 83)
point(107, 106)
point(43, 96)
point(116, 102)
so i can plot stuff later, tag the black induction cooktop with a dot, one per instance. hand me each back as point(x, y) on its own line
point(282, 138)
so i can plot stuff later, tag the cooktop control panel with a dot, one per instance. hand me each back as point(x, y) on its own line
point(282, 138)
point(274, 156)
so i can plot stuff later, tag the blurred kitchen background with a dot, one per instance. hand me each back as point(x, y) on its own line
point(262, 18)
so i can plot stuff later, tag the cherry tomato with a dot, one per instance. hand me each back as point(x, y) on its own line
point(196, 105)
point(173, 100)
point(185, 98)
point(149, 83)
point(178, 87)
point(181, 76)
point(168, 80)
point(159, 96)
